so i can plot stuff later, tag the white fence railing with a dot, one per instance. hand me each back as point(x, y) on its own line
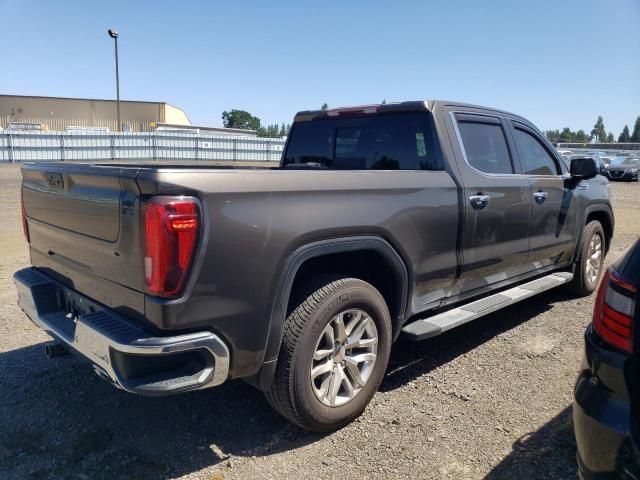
point(28, 146)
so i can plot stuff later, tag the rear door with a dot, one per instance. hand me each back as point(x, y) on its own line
point(553, 206)
point(495, 244)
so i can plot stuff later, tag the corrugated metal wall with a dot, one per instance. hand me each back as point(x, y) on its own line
point(23, 146)
point(56, 124)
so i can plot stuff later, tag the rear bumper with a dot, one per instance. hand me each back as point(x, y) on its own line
point(602, 416)
point(123, 353)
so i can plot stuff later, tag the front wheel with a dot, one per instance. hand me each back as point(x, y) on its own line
point(590, 260)
point(334, 353)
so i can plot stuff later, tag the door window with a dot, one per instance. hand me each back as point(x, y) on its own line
point(485, 147)
point(534, 157)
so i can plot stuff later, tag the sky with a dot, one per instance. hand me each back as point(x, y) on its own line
point(556, 62)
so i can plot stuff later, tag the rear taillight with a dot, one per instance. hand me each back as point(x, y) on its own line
point(170, 229)
point(613, 313)
point(25, 225)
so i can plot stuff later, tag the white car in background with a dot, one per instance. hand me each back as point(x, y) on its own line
point(565, 153)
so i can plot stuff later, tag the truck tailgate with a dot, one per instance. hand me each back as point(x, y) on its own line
point(83, 226)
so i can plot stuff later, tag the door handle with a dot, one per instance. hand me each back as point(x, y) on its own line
point(479, 201)
point(540, 197)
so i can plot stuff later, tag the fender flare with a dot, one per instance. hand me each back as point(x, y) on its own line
point(598, 207)
point(285, 283)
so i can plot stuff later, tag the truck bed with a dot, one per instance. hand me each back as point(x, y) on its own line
point(85, 233)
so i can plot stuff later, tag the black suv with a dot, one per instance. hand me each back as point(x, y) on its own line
point(607, 393)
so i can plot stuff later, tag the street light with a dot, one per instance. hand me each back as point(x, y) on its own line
point(114, 34)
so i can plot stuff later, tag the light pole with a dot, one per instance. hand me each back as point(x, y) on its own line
point(114, 34)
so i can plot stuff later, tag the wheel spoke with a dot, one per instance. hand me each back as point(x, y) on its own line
point(321, 369)
point(356, 316)
point(324, 387)
point(360, 329)
point(340, 332)
point(354, 371)
point(346, 383)
point(320, 354)
point(361, 343)
point(334, 386)
point(363, 357)
point(327, 333)
point(597, 242)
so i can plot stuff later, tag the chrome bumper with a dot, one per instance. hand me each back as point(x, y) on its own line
point(112, 343)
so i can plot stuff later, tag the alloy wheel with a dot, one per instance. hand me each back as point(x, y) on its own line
point(594, 259)
point(344, 357)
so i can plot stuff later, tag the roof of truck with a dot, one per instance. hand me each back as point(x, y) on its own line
point(415, 105)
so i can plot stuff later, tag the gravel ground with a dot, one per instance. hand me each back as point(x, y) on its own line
point(490, 399)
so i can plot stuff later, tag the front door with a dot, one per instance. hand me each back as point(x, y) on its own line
point(495, 244)
point(553, 209)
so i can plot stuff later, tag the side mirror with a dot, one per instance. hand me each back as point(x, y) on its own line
point(583, 168)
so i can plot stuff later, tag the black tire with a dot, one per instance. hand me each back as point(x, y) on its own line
point(581, 285)
point(318, 302)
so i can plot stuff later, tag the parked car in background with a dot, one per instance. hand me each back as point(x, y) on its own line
point(623, 168)
point(603, 158)
point(600, 165)
point(565, 153)
point(606, 408)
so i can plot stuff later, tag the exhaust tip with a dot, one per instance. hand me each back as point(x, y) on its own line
point(55, 349)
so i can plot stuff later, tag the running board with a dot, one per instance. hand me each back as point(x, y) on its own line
point(437, 324)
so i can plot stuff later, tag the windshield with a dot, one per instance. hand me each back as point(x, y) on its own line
point(382, 142)
point(626, 161)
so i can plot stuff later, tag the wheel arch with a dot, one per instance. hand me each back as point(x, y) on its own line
point(328, 252)
point(604, 215)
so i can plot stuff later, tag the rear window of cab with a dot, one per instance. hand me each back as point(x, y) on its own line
point(382, 142)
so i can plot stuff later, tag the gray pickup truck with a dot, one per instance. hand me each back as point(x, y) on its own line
point(381, 221)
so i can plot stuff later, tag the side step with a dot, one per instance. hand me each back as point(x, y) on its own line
point(435, 325)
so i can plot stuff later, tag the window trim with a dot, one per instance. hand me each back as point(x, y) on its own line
point(516, 125)
point(499, 123)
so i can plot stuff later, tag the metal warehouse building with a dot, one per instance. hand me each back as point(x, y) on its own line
point(59, 113)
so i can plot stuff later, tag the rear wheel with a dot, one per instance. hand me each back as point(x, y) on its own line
point(590, 260)
point(334, 353)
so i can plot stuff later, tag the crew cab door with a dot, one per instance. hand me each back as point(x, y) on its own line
point(552, 231)
point(495, 244)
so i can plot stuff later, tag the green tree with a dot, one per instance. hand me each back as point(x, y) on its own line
point(324, 106)
point(240, 119)
point(566, 135)
point(384, 102)
point(552, 135)
point(610, 137)
point(283, 131)
point(635, 136)
point(624, 136)
point(272, 131)
point(580, 136)
point(598, 133)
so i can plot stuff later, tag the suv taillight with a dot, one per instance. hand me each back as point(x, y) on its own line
point(169, 235)
point(613, 313)
point(25, 225)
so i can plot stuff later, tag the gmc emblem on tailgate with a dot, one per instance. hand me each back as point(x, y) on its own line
point(55, 180)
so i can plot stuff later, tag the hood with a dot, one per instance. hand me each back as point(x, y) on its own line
point(622, 167)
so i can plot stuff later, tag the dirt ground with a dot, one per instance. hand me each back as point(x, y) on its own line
point(490, 399)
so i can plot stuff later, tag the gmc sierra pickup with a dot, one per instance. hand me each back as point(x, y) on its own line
point(385, 220)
